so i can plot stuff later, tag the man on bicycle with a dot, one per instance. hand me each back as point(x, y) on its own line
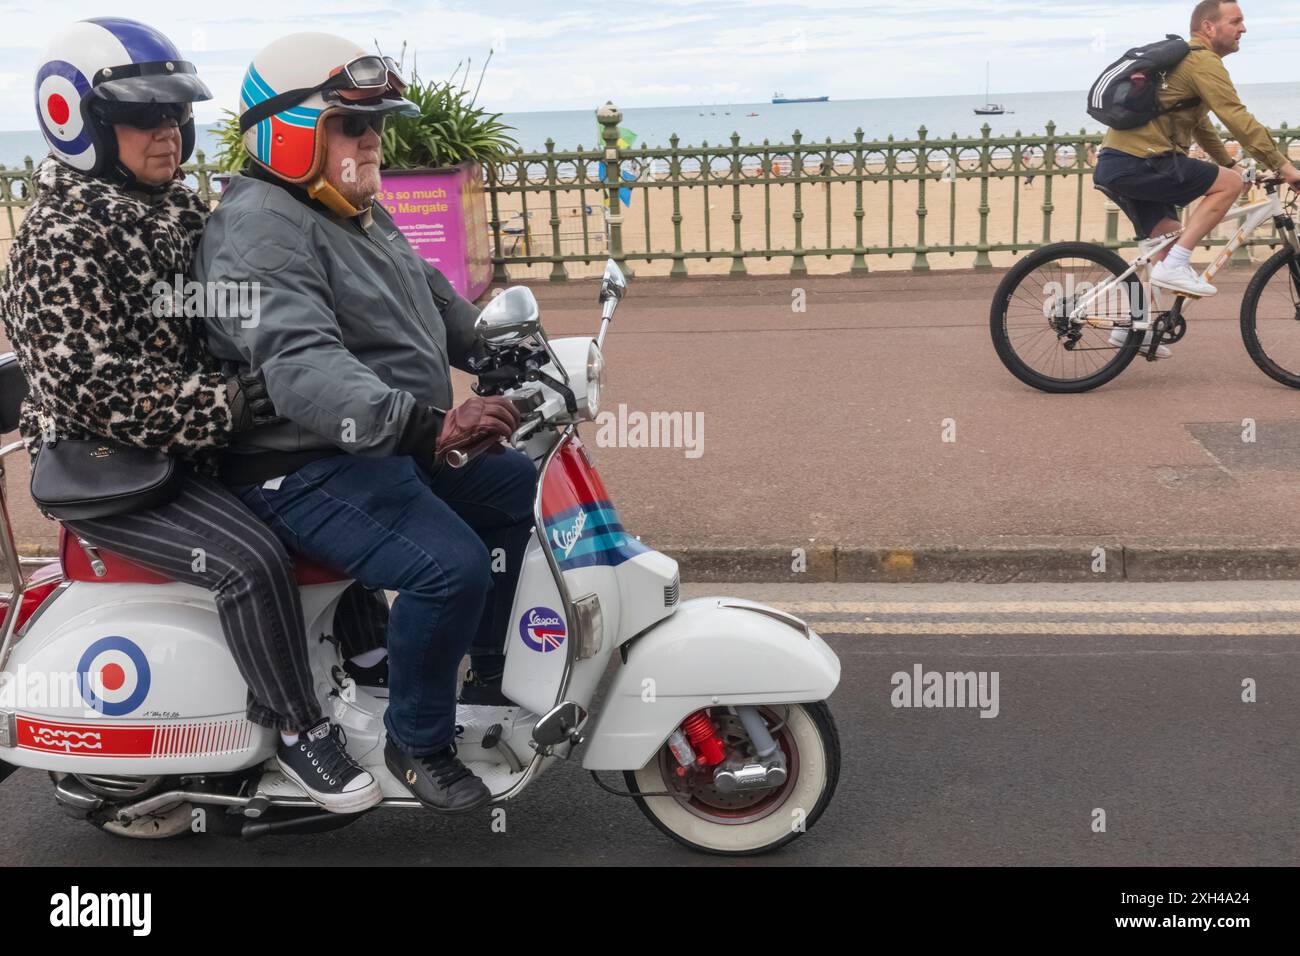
point(1148, 172)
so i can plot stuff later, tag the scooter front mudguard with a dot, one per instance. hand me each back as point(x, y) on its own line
point(712, 652)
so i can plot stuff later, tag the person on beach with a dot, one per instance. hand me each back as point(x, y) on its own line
point(112, 221)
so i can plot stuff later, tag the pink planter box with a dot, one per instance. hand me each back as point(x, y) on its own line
point(443, 214)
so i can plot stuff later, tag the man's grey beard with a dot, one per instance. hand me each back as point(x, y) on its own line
point(361, 194)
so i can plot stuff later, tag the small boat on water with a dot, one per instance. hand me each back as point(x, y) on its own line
point(781, 98)
point(990, 108)
point(751, 114)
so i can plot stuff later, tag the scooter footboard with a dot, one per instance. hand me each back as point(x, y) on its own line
point(712, 652)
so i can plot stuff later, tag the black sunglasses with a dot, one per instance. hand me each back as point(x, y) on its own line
point(356, 124)
point(146, 115)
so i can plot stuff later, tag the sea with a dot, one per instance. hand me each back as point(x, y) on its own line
point(714, 123)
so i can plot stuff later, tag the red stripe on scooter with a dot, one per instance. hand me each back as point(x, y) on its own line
point(570, 481)
point(86, 740)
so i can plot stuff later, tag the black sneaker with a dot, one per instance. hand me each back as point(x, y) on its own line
point(440, 781)
point(483, 693)
point(320, 764)
point(373, 679)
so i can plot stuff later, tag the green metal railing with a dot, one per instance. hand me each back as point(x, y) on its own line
point(693, 181)
point(552, 211)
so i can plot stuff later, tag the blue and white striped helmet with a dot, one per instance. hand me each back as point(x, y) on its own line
point(110, 60)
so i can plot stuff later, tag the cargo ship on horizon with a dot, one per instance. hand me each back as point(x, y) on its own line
point(781, 98)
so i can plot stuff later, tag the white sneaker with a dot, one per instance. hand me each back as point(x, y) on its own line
point(1120, 336)
point(1181, 279)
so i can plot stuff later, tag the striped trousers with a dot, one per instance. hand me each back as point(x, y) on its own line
point(208, 537)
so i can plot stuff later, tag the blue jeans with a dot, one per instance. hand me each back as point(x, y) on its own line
point(390, 524)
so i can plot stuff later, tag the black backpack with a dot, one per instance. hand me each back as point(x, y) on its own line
point(1126, 95)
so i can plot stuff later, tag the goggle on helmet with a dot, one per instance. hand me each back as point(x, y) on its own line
point(296, 83)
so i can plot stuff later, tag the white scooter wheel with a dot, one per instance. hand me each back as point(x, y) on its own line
point(747, 823)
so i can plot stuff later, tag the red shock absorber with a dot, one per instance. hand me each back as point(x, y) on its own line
point(705, 740)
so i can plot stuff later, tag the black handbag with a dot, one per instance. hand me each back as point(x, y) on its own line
point(97, 478)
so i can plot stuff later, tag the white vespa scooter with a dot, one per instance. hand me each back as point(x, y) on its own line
point(119, 683)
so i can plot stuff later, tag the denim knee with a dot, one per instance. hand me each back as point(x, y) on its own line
point(459, 573)
point(523, 486)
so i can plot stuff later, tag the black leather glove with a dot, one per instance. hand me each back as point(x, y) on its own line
point(250, 405)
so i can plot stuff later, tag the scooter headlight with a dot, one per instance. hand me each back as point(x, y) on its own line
point(595, 379)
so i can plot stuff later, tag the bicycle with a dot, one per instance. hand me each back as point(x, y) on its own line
point(1057, 302)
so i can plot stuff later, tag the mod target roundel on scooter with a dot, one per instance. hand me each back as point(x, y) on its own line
point(113, 676)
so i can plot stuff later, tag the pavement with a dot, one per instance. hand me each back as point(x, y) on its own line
point(824, 456)
point(1124, 698)
point(809, 445)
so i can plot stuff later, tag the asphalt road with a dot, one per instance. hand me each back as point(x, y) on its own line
point(1122, 697)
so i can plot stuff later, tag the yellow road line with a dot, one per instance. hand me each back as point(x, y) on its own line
point(1043, 607)
point(1139, 628)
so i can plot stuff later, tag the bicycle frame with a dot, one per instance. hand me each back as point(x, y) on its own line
point(1252, 216)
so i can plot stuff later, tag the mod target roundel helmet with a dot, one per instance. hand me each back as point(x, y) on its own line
point(96, 66)
point(294, 84)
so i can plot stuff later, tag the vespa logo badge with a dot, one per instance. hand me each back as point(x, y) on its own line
point(61, 739)
point(566, 540)
point(542, 629)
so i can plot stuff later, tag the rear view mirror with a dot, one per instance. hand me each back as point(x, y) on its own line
point(613, 283)
point(509, 318)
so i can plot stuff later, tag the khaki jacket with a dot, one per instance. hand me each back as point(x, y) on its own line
point(1202, 74)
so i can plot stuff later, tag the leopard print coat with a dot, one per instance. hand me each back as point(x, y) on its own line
point(79, 307)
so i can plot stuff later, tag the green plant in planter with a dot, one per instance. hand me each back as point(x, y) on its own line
point(449, 130)
point(231, 154)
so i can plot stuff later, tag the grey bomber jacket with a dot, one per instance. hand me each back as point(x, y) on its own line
point(352, 331)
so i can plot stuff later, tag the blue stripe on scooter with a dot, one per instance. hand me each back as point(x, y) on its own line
point(603, 540)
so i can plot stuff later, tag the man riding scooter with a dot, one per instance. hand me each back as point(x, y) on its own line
point(354, 336)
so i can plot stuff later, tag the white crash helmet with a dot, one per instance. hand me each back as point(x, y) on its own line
point(98, 66)
point(296, 83)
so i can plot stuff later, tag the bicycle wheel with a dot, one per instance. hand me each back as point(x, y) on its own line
point(1032, 333)
point(1270, 317)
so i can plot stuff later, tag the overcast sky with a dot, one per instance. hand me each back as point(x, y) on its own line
point(574, 55)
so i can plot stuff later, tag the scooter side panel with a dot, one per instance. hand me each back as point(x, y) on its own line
point(704, 655)
point(106, 683)
point(595, 555)
point(535, 642)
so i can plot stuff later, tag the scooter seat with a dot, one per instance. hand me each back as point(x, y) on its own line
point(77, 566)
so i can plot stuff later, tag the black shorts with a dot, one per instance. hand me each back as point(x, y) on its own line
point(1152, 189)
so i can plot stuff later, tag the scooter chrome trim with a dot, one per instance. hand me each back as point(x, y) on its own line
point(539, 529)
point(166, 801)
point(798, 624)
point(43, 607)
point(9, 554)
